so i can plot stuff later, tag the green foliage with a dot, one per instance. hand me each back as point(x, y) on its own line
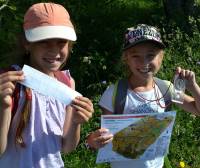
point(185, 140)
point(95, 61)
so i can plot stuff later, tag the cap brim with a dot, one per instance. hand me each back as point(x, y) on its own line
point(50, 32)
point(159, 44)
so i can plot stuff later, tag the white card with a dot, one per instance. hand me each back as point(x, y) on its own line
point(48, 85)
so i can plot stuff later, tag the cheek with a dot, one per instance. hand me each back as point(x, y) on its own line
point(64, 51)
point(158, 64)
point(160, 59)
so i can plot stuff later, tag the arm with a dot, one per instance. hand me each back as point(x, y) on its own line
point(6, 90)
point(191, 103)
point(71, 132)
point(5, 119)
point(79, 112)
point(100, 137)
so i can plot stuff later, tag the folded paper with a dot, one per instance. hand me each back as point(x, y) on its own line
point(47, 85)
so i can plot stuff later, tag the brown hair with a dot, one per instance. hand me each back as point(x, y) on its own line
point(24, 118)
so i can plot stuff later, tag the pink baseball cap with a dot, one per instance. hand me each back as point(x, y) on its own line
point(46, 21)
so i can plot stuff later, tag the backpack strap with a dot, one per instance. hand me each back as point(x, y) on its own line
point(119, 96)
point(63, 77)
point(166, 90)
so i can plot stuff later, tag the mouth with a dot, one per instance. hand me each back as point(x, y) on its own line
point(51, 60)
point(144, 70)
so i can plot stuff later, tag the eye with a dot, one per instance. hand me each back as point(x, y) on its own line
point(134, 56)
point(151, 55)
point(62, 42)
point(42, 42)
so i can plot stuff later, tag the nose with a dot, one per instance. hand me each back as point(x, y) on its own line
point(53, 47)
point(145, 61)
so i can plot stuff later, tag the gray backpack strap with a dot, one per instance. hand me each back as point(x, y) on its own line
point(120, 97)
point(165, 89)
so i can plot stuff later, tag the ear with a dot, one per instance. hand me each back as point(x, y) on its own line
point(124, 57)
point(25, 44)
point(161, 54)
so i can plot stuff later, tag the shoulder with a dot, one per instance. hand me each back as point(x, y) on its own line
point(164, 84)
point(109, 90)
point(162, 81)
point(72, 82)
point(10, 68)
point(106, 98)
point(67, 79)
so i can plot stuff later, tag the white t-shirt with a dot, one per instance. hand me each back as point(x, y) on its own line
point(136, 103)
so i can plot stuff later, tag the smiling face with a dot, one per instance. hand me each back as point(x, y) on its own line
point(48, 55)
point(144, 60)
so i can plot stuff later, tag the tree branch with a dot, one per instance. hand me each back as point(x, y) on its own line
point(4, 5)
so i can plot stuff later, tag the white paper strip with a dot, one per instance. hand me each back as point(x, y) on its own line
point(47, 85)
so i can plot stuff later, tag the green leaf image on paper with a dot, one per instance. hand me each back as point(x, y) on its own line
point(132, 141)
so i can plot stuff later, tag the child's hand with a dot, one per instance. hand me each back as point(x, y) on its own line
point(99, 138)
point(189, 76)
point(82, 109)
point(7, 86)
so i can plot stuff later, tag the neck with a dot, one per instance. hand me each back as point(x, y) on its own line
point(141, 85)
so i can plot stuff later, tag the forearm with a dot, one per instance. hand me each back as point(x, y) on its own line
point(196, 95)
point(5, 119)
point(71, 138)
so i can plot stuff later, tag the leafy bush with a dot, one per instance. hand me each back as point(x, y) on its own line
point(95, 61)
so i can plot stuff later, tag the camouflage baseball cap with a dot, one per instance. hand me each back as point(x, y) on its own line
point(142, 33)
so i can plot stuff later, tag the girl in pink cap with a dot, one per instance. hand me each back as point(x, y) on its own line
point(141, 92)
point(38, 128)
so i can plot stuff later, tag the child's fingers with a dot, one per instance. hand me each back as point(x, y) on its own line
point(6, 92)
point(189, 74)
point(103, 140)
point(178, 70)
point(83, 103)
point(7, 85)
point(103, 135)
point(103, 131)
point(82, 111)
point(6, 89)
point(107, 141)
point(99, 138)
point(12, 76)
point(83, 99)
point(182, 73)
point(100, 132)
point(5, 96)
point(80, 117)
point(185, 73)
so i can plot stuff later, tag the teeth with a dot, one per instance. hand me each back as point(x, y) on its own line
point(144, 70)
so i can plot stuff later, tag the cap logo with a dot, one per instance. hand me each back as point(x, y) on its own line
point(141, 33)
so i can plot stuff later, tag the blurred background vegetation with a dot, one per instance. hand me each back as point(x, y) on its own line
point(95, 61)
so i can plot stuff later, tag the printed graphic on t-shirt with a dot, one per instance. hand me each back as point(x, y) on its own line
point(143, 108)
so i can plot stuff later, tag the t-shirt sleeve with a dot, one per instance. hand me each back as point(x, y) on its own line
point(106, 99)
point(170, 86)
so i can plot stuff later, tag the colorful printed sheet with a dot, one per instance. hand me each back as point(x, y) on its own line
point(141, 136)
